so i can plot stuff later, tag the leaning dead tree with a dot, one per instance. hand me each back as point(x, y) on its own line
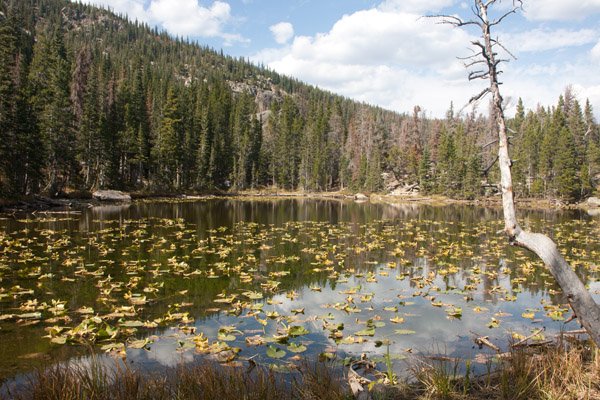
point(484, 64)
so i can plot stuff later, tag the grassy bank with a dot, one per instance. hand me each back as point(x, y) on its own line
point(553, 372)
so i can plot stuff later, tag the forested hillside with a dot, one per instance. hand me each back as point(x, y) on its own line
point(90, 100)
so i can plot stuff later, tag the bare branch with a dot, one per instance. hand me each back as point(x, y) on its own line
point(477, 14)
point(478, 75)
point(472, 56)
point(482, 47)
point(473, 63)
point(513, 11)
point(485, 146)
point(479, 96)
point(487, 169)
point(452, 20)
point(496, 42)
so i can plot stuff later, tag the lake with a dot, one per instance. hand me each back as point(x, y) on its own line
point(165, 282)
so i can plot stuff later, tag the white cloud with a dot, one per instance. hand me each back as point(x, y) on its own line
point(543, 83)
point(282, 32)
point(415, 6)
point(375, 37)
point(396, 60)
point(595, 52)
point(560, 10)
point(592, 93)
point(187, 18)
point(390, 58)
point(545, 39)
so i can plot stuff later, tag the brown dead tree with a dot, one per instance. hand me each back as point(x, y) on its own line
point(484, 64)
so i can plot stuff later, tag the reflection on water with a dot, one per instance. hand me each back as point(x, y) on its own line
point(426, 279)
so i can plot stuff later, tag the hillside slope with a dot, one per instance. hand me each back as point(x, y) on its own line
point(91, 100)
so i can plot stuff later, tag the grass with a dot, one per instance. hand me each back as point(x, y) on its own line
point(561, 371)
point(98, 381)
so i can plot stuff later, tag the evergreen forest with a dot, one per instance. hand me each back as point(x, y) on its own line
point(91, 100)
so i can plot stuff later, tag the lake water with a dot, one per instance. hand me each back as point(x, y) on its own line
point(161, 283)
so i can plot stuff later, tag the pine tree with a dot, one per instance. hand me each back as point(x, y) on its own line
point(446, 165)
point(592, 136)
point(221, 156)
point(425, 178)
point(8, 52)
point(89, 131)
point(50, 77)
point(287, 135)
point(519, 151)
point(169, 143)
point(472, 180)
point(255, 162)
point(205, 140)
point(244, 142)
point(567, 180)
point(373, 181)
point(136, 135)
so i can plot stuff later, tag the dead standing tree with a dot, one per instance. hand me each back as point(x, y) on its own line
point(486, 57)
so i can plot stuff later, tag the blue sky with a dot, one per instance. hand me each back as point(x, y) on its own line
point(381, 52)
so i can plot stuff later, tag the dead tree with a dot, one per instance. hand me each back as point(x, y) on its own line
point(484, 64)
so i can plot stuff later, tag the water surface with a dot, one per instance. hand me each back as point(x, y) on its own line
point(161, 283)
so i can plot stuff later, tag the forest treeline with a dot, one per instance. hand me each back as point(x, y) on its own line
point(90, 100)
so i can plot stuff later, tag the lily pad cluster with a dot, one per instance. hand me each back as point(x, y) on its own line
point(276, 290)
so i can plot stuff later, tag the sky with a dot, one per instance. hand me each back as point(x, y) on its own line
point(384, 53)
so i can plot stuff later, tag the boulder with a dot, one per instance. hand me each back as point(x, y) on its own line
point(406, 190)
point(390, 183)
point(361, 197)
point(112, 195)
point(596, 182)
point(593, 202)
point(594, 212)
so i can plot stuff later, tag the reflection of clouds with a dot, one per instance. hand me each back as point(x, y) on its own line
point(434, 331)
point(102, 360)
point(163, 352)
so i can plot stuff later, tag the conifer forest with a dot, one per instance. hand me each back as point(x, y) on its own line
point(91, 100)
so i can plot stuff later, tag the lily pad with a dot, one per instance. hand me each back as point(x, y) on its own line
point(297, 331)
point(296, 348)
point(275, 352)
point(366, 332)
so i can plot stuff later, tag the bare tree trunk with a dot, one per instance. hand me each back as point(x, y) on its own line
point(581, 301)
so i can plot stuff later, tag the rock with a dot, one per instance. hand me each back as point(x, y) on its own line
point(406, 191)
point(593, 202)
point(111, 195)
point(594, 212)
point(265, 99)
point(361, 197)
point(390, 183)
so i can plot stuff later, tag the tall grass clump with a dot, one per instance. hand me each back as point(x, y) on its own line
point(563, 370)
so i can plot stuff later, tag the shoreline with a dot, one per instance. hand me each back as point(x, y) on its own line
point(36, 203)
